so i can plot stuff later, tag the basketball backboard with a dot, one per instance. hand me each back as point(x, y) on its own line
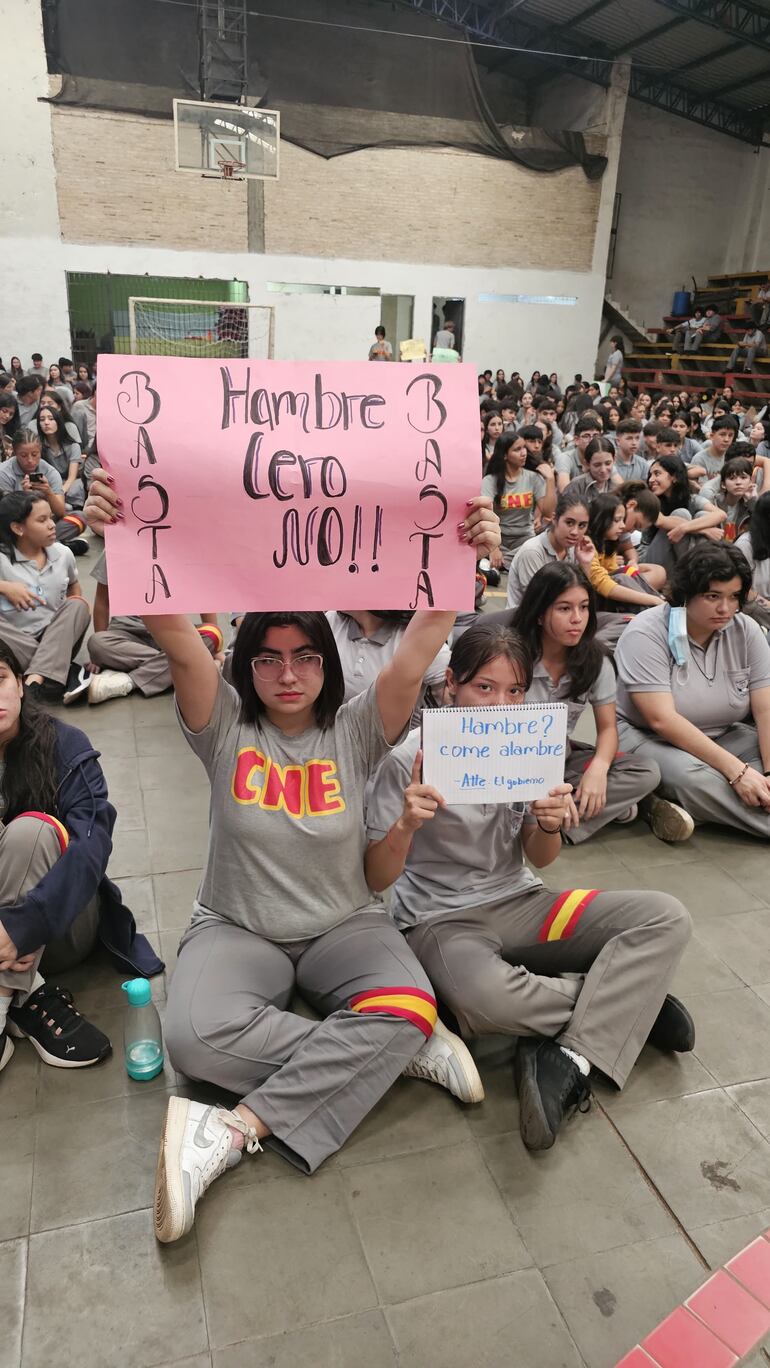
point(234, 142)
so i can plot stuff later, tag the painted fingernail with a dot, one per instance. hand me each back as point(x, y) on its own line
point(120, 503)
point(119, 517)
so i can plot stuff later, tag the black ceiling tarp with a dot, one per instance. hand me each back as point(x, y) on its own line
point(339, 85)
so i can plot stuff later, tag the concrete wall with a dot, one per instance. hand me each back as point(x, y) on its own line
point(683, 210)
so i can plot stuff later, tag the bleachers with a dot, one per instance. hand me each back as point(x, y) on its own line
point(656, 365)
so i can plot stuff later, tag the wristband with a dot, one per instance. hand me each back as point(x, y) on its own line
point(549, 831)
point(212, 636)
point(738, 777)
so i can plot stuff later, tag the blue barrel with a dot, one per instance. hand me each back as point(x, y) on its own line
point(681, 305)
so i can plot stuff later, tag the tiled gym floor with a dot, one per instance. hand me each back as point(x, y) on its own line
point(434, 1240)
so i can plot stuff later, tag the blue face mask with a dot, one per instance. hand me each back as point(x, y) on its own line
point(678, 643)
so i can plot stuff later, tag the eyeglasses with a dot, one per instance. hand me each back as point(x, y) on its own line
point(269, 668)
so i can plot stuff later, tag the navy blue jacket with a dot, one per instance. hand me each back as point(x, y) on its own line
point(49, 909)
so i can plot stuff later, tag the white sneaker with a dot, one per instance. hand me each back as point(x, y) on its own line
point(109, 684)
point(445, 1060)
point(195, 1147)
point(668, 821)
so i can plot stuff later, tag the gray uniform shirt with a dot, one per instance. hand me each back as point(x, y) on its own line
point(530, 558)
point(543, 690)
point(12, 475)
point(566, 462)
point(465, 856)
point(638, 468)
point(760, 570)
point(362, 657)
point(285, 855)
point(49, 583)
point(713, 691)
point(516, 509)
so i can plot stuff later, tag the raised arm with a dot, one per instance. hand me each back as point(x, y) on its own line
point(194, 673)
point(399, 683)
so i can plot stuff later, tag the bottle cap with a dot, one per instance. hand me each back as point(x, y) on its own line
point(138, 991)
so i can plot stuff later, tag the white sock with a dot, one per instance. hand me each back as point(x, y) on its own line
point(579, 1059)
point(5, 1003)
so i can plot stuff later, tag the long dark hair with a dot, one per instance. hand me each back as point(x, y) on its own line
point(62, 434)
point(484, 641)
point(759, 527)
point(585, 660)
point(15, 507)
point(678, 496)
point(30, 779)
point(251, 635)
point(496, 462)
point(600, 517)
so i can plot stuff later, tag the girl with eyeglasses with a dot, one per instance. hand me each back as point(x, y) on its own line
point(283, 902)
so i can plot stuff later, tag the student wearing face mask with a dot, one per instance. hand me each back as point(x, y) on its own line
point(694, 693)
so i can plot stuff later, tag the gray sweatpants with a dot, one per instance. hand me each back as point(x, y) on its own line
point(497, 967)
point(701, 790)
point(629, 779)
point(52, 652)
point(312, 1082)
point(133, 650)
point(30, 847)
point(661, 551)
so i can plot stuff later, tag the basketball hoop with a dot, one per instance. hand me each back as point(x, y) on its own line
point(229, 168)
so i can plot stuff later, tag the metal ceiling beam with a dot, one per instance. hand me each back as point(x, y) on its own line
point(733, 18)
point(482, 21)
point(726, 50)
point(589, 13)
point(740, 84)
point(649, 36)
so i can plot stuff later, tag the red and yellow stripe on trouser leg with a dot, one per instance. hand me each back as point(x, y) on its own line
point(565, 914)
point(410, 1003)
point(75, 521)
point(59, 828)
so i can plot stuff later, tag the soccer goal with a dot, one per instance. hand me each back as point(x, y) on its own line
point(199, 327)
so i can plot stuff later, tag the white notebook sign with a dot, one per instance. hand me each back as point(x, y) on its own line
point(494, 755)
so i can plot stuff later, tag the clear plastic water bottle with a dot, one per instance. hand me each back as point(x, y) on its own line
point(142, 1035)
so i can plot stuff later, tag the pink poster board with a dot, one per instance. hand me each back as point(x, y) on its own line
point(254, 485)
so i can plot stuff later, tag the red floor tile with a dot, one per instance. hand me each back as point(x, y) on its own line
point(681, 1341)
point(752, 1268)
point(636, 1359)
point(731, 1312)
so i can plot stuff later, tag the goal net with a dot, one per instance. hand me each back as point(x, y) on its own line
point(199, 327)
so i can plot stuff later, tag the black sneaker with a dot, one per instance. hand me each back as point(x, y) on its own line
point(6, 1049)
point(79, 546)
point(60, 1035)
point(78, 684)
point(50, 691)
point(674, 1028)
point(550, 1086)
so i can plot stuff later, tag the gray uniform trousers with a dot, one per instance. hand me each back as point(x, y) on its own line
point(28, 849)
point(312, 1082)
point(133, 650)
point(51, 653)
point(661, 551)
point(496, 969)
point(701, 790)
point(629, 779)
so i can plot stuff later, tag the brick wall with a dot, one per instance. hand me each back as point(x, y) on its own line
point(116, 183)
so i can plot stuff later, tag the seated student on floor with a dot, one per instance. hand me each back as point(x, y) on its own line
point(517, 493)
point(367, 641)
point(494, 941)
point(44, 615)
point(754, 543)
point(694, 693)
point(733, 491)
point(55, 898)
point(27, 472)
point(619, 586)
point(557, 542)
point(600, 475)
point(708, 461)
point(284, 901)
point(59, 451)
point(629, 465)
point(570, 461)
point(683, 515)
point(557, 621)
point(122, 654)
